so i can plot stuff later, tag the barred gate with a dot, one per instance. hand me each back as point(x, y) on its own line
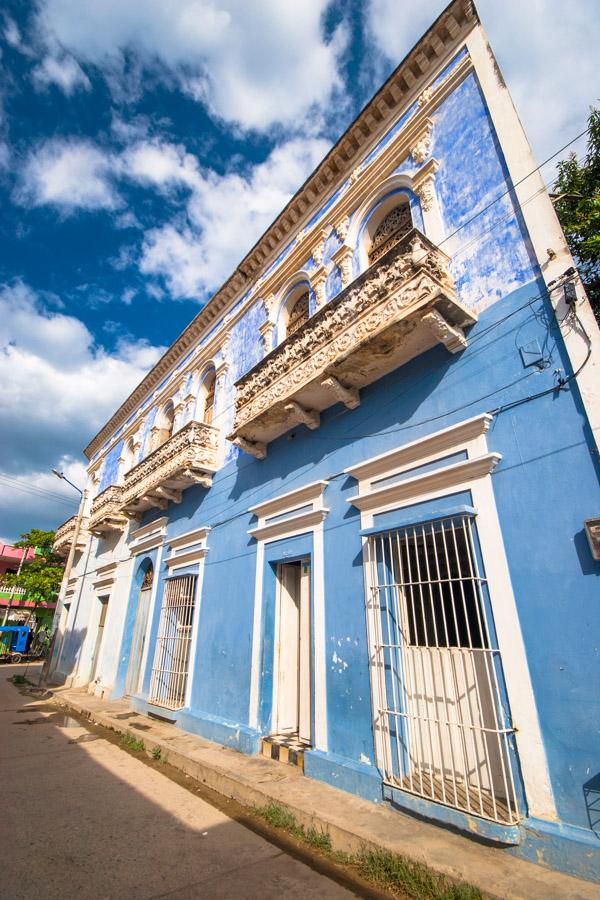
point(172, 655)
point(441, 720)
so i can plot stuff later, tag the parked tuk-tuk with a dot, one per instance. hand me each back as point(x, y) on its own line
point(13, 642)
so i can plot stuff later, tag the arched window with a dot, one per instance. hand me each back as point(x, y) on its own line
point(165, 424)
point(208, 386)
point(392, 228)
point(298, 315)
point(127, 458)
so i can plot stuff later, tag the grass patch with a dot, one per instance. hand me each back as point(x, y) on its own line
point(131, 742)
point(400, 876)
point(156, 753)
point(19, 679)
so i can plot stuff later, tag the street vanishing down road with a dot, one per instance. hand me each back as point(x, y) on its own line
point(82, 818)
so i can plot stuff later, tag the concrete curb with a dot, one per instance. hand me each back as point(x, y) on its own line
point(352, 823)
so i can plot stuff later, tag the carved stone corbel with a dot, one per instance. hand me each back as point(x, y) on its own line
point(424, 184)
point(342, 228)
point(254, 448)
point(421, 146)
point(343, 259)
point(309, 417)
point(451, 336)
point(350, 397)
point(318, 279)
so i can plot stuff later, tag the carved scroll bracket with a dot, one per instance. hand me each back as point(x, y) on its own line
point(452, 337)
point(254, 448)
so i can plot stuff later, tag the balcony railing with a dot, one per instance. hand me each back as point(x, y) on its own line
point(106, 514)
point(65, 534)
point(400, 307)
point(188, 457)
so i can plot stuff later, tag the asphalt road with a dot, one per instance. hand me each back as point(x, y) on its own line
point(81, 818)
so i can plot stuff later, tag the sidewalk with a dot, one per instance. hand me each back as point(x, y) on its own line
point(352, 823)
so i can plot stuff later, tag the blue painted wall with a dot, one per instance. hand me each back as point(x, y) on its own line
point(545, 486)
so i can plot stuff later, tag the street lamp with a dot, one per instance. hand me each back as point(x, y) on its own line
point(63, 477)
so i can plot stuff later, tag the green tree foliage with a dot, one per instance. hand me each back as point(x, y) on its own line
point(579, 209)
point(41, 575)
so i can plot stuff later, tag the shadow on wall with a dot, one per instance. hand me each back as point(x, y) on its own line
point(68, 657)
point(591, 796)
point(589, 566)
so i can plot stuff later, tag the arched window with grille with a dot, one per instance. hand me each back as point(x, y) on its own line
point(209, 398)
point(298, 314)
point(390, 230)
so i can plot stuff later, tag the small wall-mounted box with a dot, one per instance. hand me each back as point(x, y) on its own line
point(592, 529)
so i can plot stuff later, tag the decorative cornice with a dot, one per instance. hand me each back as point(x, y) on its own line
point(391, 100)
point(290, 500)
point(293, 525)
point(438, 479)
point(455, 436)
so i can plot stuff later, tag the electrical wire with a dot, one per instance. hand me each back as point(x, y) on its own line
point(31, 489)
point(477, 338)
point(488, 206)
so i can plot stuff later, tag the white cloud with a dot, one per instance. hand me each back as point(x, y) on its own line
point(12, 35)
point(69, 174)
point(252, 63)
point(548, 58)
point(62, 71)
point(226, 214)
point(59, 389)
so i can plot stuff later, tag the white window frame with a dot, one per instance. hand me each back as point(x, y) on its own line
point(472, 474)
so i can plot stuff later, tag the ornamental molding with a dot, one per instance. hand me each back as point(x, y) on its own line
point(149, 537)
point(309, 493)
point(411, 277)
point(408, 81)
point(439, 479)
point(420, 149)
point(65, 534)
point(105, 577)
point(187, 549)
point(106, 515)
point(421, 450)
point(187, 457)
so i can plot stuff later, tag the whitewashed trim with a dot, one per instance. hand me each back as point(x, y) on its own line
point(420, 450)
point(471, 475)
point(151, 611)
point(437, 480)
point(105, 577)
point(180, 557)
point(290, 500)
point(149, 537)
point(541, 223)
point(296, 525)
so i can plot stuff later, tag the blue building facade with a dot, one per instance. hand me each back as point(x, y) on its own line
point(347, 519)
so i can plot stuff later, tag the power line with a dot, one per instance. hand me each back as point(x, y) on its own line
point(31, 489)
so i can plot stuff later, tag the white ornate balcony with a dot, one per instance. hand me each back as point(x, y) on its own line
point(188, 457)
point(65, 534)
point(106, 515)
point(401, 306)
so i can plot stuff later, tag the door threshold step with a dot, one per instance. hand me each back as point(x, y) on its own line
point(285, 750)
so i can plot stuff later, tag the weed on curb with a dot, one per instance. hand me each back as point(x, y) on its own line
point(156, 753)
point(131, 742)
point(397, 874)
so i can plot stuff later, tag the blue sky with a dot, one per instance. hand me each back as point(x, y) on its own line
point(145, 145)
